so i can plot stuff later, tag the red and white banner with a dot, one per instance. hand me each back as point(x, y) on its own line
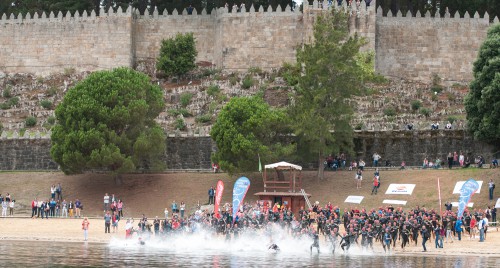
point(400, 189)
point(218, 197)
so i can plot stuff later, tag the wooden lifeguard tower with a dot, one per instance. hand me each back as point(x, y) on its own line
point(283, 184)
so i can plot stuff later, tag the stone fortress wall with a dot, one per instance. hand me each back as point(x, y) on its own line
point(405, 46)
point(187, 152)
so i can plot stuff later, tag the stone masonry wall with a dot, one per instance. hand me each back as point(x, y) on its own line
point(417, 47)
point(193, 152)
point(51, 44)
point(407, 47)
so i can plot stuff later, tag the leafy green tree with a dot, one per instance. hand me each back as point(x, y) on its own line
point(245, 128)
point(177, 55)
point(332, 73)
point(106, 122)
point(482, 104)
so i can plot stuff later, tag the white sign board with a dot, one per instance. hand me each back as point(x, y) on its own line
point(498, 203)
point(455, 204)
point(354, 199)
point(395, 202)
point(459, 184)
point(400, 189)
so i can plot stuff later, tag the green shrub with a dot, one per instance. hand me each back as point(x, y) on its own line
point(22, 131)
point(206, 118)
point(255, 70)
point(5, 105)
point(248, 82)
point(359, 126)
point(180, 124)
point(452, 119)
point(209, 71)
point(436, 89)
point(415, 105)
point(177, 54)
point(51, 120)
point(434, 97)
point(13, 101)
point(425, 111)
point(52, 91)
point(173, 112)
point(186, 99)
point(390, 111)
point(176, 112)
point(1, 127)
point(290, 73)
point(7, 93)
point(30, 121)
point(451, 96)
point(46, 104)
point(213, 90)
point(234, 80)
point(69, 71)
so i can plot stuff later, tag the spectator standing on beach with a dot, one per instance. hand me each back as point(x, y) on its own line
point(85, 228)
point(491, 187)
point(11, 207)
point(4, 208)
point(78, 207)
point(59, 191)
point(114, 221)
point(183, 209)
point(174, 208)
point(107, 222)
point(166, 213)
point(458, 228)
point(34, 208)
point(376, 158)
point(71, 208)
point(119, 206)
point(106, 202)
point(53, 191)
point(64, 206)
point(211, 195)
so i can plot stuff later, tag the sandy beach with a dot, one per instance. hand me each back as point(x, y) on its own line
point(70, 230)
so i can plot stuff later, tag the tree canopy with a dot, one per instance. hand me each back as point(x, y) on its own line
point(106, 122)
point(246, 128)
point(333, 69)
point(177, 54)
point(482, 104)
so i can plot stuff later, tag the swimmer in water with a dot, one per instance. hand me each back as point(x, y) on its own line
point(274, 247)
point(315, 243)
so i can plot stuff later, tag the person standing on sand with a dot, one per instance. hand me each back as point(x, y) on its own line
point(211, 195)
point(106, 202)
point(491, 187)
point(78, 206)
point(85, 228)
point(107, 222)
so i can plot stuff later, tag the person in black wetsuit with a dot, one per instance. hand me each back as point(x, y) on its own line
point(345, 244)
point(315, 243)
point(274, 247)
point(333, 236)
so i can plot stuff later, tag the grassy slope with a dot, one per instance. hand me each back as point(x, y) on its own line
point(150, 194)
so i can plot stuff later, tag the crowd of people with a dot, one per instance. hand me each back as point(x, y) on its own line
point(387, 226)
point(8, 203)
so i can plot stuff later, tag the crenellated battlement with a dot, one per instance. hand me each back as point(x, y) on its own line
point(409, 45)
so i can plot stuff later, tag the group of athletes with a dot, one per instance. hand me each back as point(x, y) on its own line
point(364, 228)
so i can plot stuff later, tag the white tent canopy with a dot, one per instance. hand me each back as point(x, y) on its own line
point(283, 165)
